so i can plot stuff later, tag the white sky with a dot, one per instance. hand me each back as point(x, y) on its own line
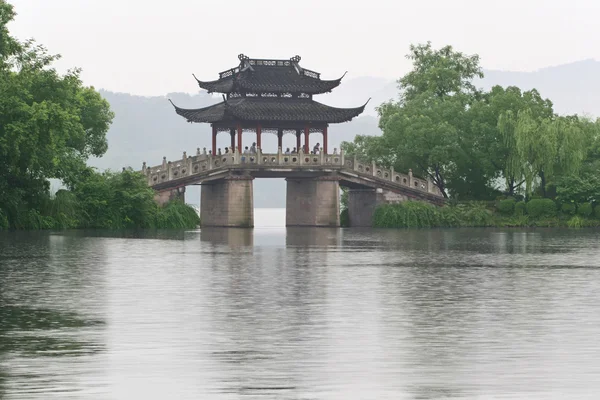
point(151, 47)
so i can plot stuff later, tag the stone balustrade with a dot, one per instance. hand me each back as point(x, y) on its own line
point(203, 163)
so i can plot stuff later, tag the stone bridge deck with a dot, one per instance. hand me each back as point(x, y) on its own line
point(313, 186)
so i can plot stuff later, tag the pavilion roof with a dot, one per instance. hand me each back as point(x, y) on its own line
point(270, 109)
point(259, 75)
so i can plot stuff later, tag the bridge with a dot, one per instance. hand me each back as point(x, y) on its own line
point(313, 186)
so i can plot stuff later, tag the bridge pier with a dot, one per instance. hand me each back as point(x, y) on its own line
point(227, 202)
point(164, 197)
point(313, 202)
point(363, 202)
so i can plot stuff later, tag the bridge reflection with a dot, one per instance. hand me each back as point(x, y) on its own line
point(233, 237)
point(288, 237)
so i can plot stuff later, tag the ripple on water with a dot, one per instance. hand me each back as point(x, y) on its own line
point(303, 313)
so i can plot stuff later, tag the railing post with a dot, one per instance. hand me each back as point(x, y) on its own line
point(355, 163)
point(301, 157)
point(210, 162)
point(184, 158)
point(392, 174)
point(322, 155)
point(144, 168)
point(410, 178)
point(429, 185)
point(279, 156)
point(374, 168)
point(342, 156)
point(164, 163)
point(169, 177)
point(258, 156)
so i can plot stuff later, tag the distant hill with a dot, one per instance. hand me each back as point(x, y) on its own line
point(147, 128)
point(573, 88)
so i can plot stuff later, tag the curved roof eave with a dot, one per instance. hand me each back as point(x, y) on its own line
point(212, 113)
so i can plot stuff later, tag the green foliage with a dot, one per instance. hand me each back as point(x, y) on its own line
point(414, 214)
point(428, 129)
point(576, 222)
point(132, 200)
point(541, 208)
point(579, 188)
point(3, 221)
point(597, 211)
point(406, 215)
point(442, 73)
point(450, 216)
point(476, 214)
point(344, 199)
point(466, 140)
point(116, 200)
point(520, 208)
point(177, 215)
point(50, 124)
point(506, 207)
point(585, 210)
point(542, 213)
point(568, 209)
point(344, 218)
point(107, 201)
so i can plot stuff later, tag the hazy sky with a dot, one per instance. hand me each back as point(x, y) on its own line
point(151, 47)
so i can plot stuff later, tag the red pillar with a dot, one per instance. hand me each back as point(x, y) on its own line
point(239, 131)
point(298, 142)
point(306, 133)
point(279, 139)
point(258, 133)
point(214, 140)
point(325, 140)
point(232, 133)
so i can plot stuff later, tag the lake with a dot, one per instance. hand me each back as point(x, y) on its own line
point(275, 313)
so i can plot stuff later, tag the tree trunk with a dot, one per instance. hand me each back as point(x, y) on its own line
point(439, 182)
point(511, 187)
point(543, 179)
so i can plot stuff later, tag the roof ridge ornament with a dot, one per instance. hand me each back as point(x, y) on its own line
point(296, 59)
point(243, 57)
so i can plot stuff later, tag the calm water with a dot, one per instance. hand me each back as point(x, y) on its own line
point(301, 314)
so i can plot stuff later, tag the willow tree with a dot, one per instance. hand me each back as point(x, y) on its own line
point(544, 147)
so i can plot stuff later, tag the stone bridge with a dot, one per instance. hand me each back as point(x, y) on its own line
point(313, 186)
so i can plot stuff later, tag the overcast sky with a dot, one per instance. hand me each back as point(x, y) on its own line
point(151, 47)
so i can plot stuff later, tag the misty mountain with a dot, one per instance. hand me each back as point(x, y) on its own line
point(573, 88)
point(147, 128)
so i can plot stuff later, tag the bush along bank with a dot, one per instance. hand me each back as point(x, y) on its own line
point(100, 201)
point(503, 213)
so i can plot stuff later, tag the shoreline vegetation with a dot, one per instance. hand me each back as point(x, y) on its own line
point(506, 213)
point(103, 201)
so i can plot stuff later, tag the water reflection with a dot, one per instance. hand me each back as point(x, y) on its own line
point(231, 237)
point(300, 313)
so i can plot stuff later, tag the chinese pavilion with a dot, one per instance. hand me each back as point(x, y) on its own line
point(272, 96)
